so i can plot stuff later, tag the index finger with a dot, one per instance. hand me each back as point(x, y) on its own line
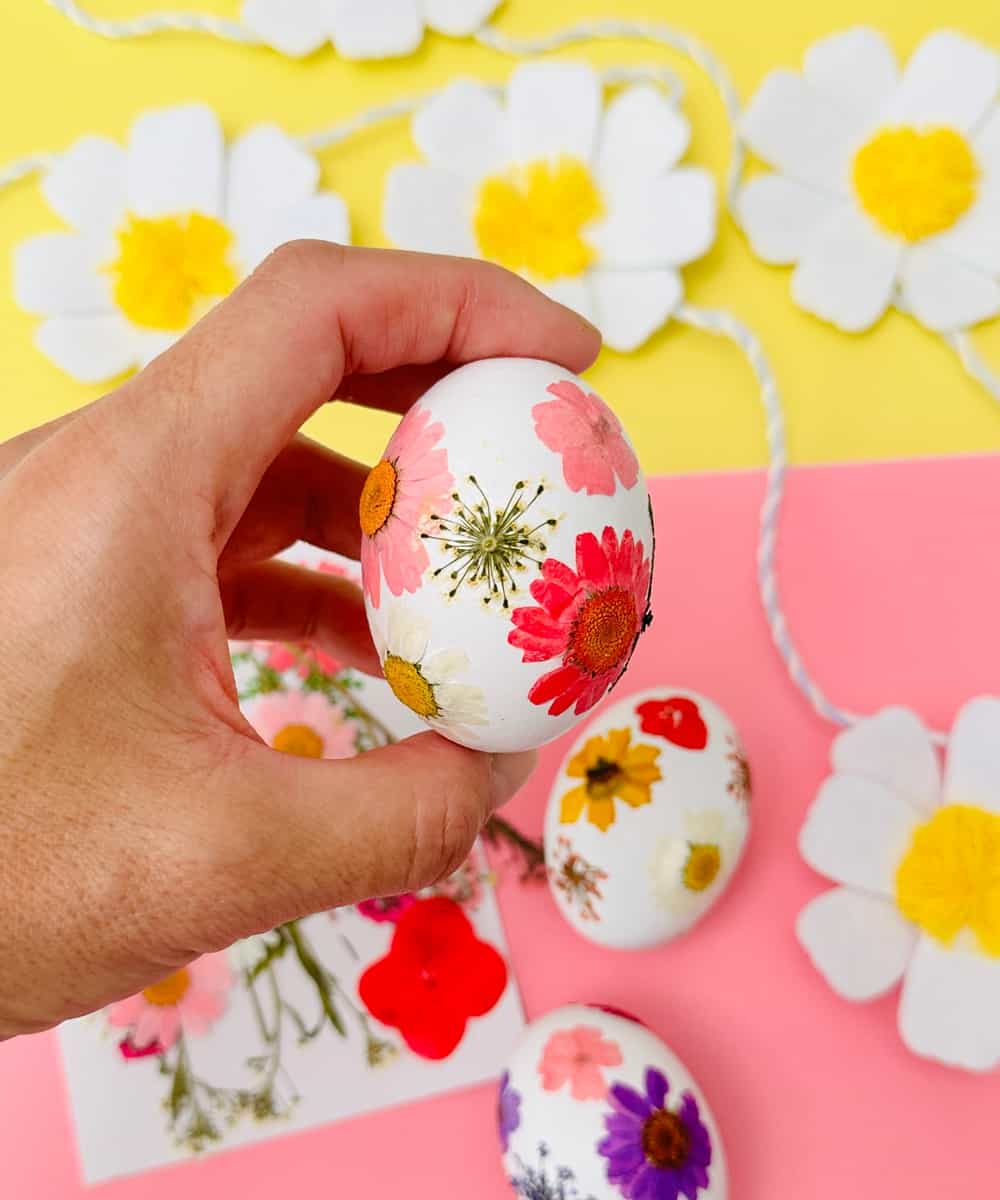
point(250, 373)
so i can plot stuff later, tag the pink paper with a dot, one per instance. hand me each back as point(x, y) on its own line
point(892, 585)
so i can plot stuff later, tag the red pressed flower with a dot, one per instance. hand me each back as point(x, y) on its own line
point(676, 719)
point(436, 976)
point(129, 1050)
point(592, 617)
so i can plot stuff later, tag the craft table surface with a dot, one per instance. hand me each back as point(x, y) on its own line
point(816, 1098)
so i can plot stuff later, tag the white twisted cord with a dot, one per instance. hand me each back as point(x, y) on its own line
point(162, 22)
point(974, 364)
point(21, 168)
point(334, 134)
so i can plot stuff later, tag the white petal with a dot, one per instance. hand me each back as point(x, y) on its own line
point(407, 635)
point(464, 129)
point(86, 186)
point(461, 704)
point(295, 27)
point(847, 271)
point(457, 18)
point(945, 294)
point(323, 216)
point(666, 221)
point(443, 665)
point(987, 144)
point(949, 1008)
point(266, 170)
point(429, 209)
point(575, 291)
point(950, 80)
point(893, 748)
point(629, 306)
point(975, 239)
point(973, 771)
point(91, 349)
point(779, 215)
point(554, 109)
point(376, 28)
point(855, 70)
point(59, 275)
point(796, 129)
point(859, 943)
point(151, 343)
point(642, 134)
point(856, 832)
point(175, 162)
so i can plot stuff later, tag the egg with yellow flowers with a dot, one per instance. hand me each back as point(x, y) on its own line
point(507, 554)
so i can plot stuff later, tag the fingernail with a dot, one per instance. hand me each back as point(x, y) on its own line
point(510, 773)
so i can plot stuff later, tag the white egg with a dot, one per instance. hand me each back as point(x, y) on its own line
point(647, 818)
point(593, 1106)
point(507, 551)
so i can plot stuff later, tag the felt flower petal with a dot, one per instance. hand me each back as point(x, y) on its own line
point(457, 18)
point(847, 272)
point(779, 215)
point(642, 134)
point(949, 1008)
point(267, 171)
point(856, 832)
point(856, 70)
point(895, 749)
point(86, 186)
point(987, 144)
point(323, 217)
point(666, 221)
point(175, 163)
point(91, 349)
point(376, 28)
point(554, 110)
point(575, 292)
point(973, 775)
point(949, 80)
point(629, 306)
point(464, 129)
point(975, 239)
point(945, 294)
point(295, 27)
point(59, 275)
point(150, 344)
point(859, 943)
point(427, 208)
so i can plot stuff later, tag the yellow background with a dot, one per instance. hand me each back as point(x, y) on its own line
point(689, 402)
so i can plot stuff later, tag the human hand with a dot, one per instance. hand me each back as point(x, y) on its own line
point(142, 821)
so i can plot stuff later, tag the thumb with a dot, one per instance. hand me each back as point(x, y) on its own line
point(392, 820)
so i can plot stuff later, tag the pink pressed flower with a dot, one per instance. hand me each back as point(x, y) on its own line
point(410, 484)
point(190, 1000)
point(129, 1050)
point(386, 910)
point(306, 724)
point(576, 1056)
point(277, 657)
point(304, 659)
point(580, 426)
point(590, 617)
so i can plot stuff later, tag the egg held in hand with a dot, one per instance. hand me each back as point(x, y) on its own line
point(507, 554)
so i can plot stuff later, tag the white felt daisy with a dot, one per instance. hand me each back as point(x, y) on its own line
point(586, 202)
point(161, 229)
point(919, 869)
point(887, 186)
point(361, 28)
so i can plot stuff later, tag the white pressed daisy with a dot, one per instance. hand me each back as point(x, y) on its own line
point(688, 871)
point(585, 201)
point(361, 28)
point(918, 864)
point(887, 185)
point(425, 682)
point(162, 228)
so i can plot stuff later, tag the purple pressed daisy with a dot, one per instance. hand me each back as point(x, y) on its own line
point(653, 1152)
point(508, 1110)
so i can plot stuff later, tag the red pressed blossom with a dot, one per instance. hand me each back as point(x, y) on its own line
point(129, 1050)
point(675, 718)
point(591, 617)
point(436, 976)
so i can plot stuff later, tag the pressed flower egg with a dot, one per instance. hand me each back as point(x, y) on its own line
point(507, 554)
point(593, 1104)
point(647, 818)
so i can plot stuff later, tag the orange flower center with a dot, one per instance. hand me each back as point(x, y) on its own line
point(170, 991)
point(603, 631)
point(377, 497)
point(665, 1140)
point(299, 740)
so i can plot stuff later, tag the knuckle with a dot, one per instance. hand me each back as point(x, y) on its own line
point(302, 257)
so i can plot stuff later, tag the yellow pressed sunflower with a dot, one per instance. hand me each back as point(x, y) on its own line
point(610, 767)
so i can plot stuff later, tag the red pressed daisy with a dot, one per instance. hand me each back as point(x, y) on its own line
point(436, 976)
point(590, 617)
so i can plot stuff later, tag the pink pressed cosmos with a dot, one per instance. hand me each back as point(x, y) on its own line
point(580, 426)
point(576, 1056)
point(410, 483)
point(303, 658)
point(303, 723)
point(590, 618)
point(190, 1000)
